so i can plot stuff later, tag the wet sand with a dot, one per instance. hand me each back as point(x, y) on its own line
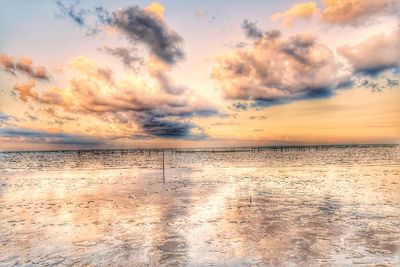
point(335, 207)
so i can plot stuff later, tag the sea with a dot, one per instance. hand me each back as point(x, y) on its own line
point(264, 206)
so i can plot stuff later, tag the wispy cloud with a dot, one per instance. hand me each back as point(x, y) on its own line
point(126, 55)
point(37, 136)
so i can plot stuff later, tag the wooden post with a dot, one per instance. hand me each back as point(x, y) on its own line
point(163, 166)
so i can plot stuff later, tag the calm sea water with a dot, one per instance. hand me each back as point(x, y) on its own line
point(339, 206)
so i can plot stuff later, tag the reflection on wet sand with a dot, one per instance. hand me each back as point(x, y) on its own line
point(335, 207)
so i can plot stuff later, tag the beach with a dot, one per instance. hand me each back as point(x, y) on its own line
point(333, 206)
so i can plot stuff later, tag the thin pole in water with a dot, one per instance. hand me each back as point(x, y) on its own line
point(163, 166)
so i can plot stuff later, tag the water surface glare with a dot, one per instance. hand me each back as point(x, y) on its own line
point(338, 206)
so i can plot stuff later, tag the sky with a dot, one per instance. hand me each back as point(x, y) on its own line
point(137, 74)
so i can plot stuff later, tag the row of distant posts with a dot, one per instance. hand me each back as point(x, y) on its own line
point(227, 150)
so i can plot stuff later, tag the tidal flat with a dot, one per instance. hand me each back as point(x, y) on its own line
point(337, 206)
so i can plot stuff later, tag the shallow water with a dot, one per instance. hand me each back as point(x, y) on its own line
point(339, 206)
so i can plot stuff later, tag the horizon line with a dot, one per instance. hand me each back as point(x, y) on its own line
point(205, 149)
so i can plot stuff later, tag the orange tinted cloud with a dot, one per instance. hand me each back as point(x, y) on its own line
point(24, 65)
point(156, 9)
point(342, 12)
point(303, 10)
point(90, 69)
point(7, 63)
point(158, 110)
point(25, 90)
point(356, 11)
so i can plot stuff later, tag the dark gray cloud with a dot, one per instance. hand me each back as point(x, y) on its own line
point(73, 11)
point(103, 15)
point(126, 55)
point(378, 85)
point(168, 128)
point(34, 136)
point(173, 123)
point(251, 30)
point(240, 106)
point(392, 82)
point(146, 28)
point(309, 93)
point(254, 33)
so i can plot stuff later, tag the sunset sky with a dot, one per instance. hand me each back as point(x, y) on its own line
point(128, 74)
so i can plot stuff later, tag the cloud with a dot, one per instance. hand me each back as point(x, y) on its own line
point(224, 123)
point(91, 70)
point(303, 11)
point(156, 9)
point(356, 12)
point(51, 111)
point(378, 85)
point(7, 120)
point(343, 12)
point(53, 95)
point(374, 55)
point(157, 110)
point(159, 71)
point(275, 70)
point(38, 136)
point(30, 116)
point(146, 27)
point(79, 15)
point(169, 128)
point(25, 90)
point(72, 11)
point(138, 25)
point(240, 106)
point(151, 102)
point(126, 55)
point(4, 117)
point(251, 30)
point(7, 63)
point(258, 117)
point(392, 82)
point(24, 65)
